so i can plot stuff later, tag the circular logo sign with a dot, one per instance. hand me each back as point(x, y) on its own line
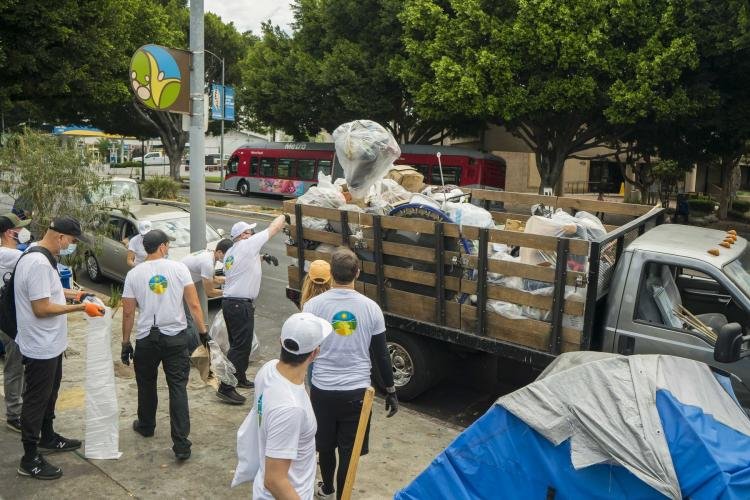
point(155, 77)
point(158, 284)
point(344, 323)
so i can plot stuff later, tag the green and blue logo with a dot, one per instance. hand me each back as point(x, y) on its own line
point(229, 262)
point(344, 323)
point(155, 77)
point(158, 284)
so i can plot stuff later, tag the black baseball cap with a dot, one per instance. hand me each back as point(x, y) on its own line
point(154, 238)
point(68, 226)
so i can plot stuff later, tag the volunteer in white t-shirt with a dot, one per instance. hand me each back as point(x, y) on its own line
point(201, 265)
point(42, 338)
point(157, 287)
point(341, 372)
point(136, 252)
point(242, 274)
point(277, 450)
point(10, 231)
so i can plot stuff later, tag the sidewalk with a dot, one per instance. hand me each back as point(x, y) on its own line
point(400, 447)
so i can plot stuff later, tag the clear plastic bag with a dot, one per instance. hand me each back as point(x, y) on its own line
point(466, 214)
point(221, 367)
point(218, 333)
point(366, 151)
point(321, 196)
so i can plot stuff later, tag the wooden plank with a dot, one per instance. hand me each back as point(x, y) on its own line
point(317, 235)
point(538, 273)
point(501, 217)
point(410, 251)
point(310, 255)
point(607, 207)
point(401, 273)
point(511, 198)
point(522, 297)
point(292, 274)
point(541, 242)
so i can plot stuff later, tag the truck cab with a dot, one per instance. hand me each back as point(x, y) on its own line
point(668, 274)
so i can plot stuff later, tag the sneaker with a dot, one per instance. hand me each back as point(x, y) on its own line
point(137, 428)
point(182, 455)
point(14, 424)
point(245, 384)
point(323, 496)
point(39, 468)
point(59, 443)
point(230, 396)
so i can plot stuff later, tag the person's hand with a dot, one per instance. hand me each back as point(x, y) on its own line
point(391, 402)
point(204, 338)
point(287, 219)
point(82, 295)
point(93, 310)
point(271, 259)
point(126, 354)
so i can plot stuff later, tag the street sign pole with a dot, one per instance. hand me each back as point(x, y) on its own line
point(197, 139)
point(223, 114)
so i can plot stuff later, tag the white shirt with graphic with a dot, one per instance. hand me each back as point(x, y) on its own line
point(158, 287)
point(242, 269)
point(39, 338)
point(135, 245)
point(344, 360)
point(201, 265)
point(286, 430)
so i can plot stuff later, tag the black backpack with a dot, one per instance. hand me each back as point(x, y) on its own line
point(8, 297)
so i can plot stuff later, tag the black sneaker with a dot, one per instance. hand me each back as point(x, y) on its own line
point(231, 396)
point(39, 468)
point(182, 455)
point(245, 384)
point(14, 424)
point(137, 428)
point(59, 443)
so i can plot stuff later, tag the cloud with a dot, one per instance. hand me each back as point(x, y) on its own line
point(247, 15)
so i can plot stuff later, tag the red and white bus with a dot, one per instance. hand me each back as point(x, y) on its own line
point(290, 168)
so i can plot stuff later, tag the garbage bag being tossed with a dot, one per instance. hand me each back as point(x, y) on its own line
point(366, 151)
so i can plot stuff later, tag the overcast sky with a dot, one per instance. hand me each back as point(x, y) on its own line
point(248, 14)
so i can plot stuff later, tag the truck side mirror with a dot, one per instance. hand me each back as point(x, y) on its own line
point(728, 343)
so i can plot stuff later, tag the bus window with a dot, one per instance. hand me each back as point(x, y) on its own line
point(285, 168)
point(451, 175)
point(254, 167)
point(267, 167)
point(306, 169)
point(324, 166)
point(233, 164)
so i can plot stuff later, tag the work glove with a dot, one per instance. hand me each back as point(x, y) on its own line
point(204, 339)
point(271, 259)
point(126, 354)
point(391, 403)
point(82, 295)
point(93, 310)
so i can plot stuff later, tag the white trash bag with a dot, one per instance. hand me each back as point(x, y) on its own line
point(366, 151)
point(221, 367)
point(218, 333)
point(102, 413)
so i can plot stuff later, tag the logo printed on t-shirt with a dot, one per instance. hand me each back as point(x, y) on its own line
point(344, 323)
point(260, 409)
point(158, 284)
point(229, 262)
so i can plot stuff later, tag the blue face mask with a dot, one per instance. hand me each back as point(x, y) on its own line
point(68, 251)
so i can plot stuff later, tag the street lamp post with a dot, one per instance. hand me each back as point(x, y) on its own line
point(223, 104)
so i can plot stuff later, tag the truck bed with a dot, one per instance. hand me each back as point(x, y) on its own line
point(425, 289)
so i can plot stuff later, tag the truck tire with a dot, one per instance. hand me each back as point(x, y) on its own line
point(416, 364)
point(243, 188)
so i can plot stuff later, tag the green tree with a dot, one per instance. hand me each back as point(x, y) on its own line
point(557, 74)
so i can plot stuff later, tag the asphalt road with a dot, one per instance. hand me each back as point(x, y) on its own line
point(271, 201)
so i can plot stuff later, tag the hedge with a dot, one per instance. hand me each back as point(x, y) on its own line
point(126, 164)
point(703, 205)
point(741, 206)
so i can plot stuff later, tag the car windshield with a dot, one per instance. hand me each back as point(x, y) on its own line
point(739, 272)
point(179, 229)
point(116, 190)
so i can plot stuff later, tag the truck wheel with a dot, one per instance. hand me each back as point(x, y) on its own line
point(415, 364)
point(93, 269)
point(243, 188)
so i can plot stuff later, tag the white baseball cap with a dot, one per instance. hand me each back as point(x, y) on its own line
point(307, 330)
point(240, 227)
point(144, 226)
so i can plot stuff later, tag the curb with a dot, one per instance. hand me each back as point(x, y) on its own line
point(215, 210)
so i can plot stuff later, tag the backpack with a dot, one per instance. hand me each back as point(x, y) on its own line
point(8, 297)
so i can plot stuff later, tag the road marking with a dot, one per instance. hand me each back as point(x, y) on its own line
point(274, 279)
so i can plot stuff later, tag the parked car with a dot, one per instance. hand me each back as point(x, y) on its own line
point(153, 158)
point(111, 261)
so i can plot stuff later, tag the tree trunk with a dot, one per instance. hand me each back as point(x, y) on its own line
point(173, 138)
point(728, 184)
point(550, 164)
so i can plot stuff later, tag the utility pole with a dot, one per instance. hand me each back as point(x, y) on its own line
point(223, 114)
point(197, 138)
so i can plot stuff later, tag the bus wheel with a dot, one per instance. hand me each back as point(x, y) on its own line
point(416, 363)
point(243, 188)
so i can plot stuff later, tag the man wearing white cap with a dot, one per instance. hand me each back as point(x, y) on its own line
point(281, 426)
point(242, 273)
point(136, 252)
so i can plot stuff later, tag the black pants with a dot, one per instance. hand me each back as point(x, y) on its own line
point(172, 353)
point(239, 315)
point(337, 414)
point(42, 378)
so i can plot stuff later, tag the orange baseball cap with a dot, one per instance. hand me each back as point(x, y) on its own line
point(320, 271)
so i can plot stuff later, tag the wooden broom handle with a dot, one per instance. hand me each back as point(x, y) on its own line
point(359, 439)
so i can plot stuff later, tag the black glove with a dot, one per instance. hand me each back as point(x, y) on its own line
point(391, 404)
point(287, 219)
point(271, 259)
point(204, 339)
point(126, 354)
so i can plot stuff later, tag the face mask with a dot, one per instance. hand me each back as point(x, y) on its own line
point(68, 251)
point(23, 236)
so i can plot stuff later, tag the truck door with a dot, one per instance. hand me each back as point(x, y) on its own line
point(653, 320)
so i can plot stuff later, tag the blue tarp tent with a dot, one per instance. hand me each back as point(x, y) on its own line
point(557, 439)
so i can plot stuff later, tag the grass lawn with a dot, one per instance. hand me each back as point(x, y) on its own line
point(209, 178)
